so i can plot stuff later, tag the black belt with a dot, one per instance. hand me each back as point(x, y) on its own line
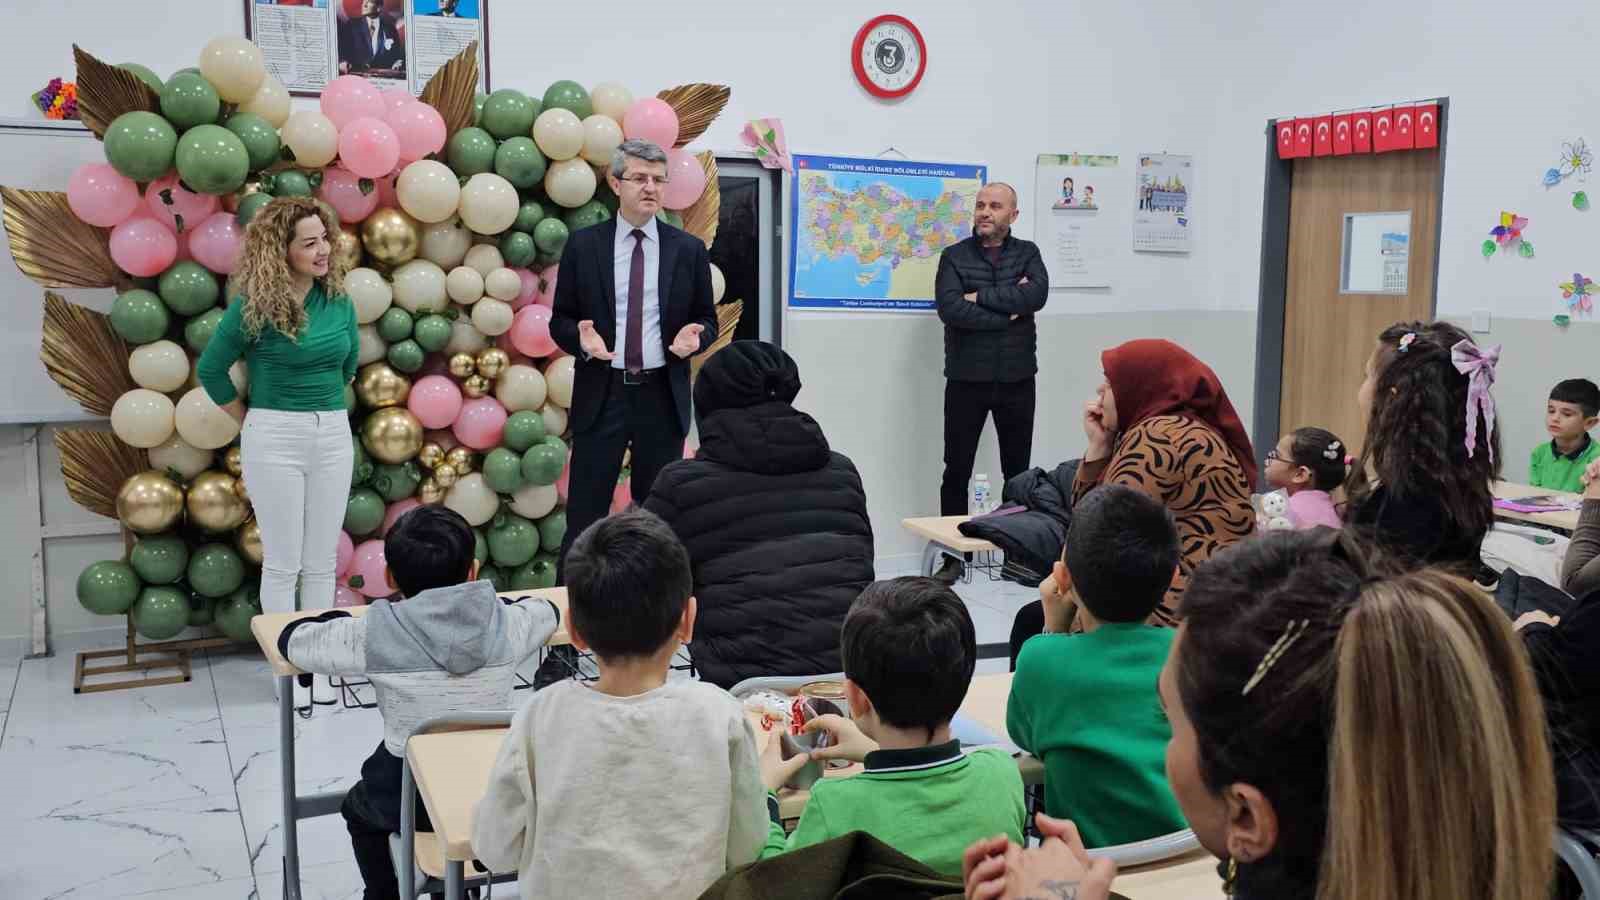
point(645, 376)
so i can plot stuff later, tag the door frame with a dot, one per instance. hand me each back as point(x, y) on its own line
point(1266, 426)
point(769, 238)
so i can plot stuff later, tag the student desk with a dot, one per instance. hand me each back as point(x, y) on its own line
point(266, 629)
point(943, 537)
point(1565, 521)
point(1192, 876)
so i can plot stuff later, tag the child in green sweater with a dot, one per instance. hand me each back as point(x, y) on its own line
point(909, 650)
point(1572, 411)
point(1086, 704)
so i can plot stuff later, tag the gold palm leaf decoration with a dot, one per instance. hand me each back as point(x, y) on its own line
point(106, 91)
point(700, 219)
point(451, 90)
point(697, 106)
point(727, 320)
point(83, 355)
point(94, 465)
point(50, 244)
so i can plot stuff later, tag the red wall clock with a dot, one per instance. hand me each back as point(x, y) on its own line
point(889, 57)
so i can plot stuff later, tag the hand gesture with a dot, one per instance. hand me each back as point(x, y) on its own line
point(1059, 867)
point(1094, 428)
point(1058, 599)
point(983, 867)
point(775, 770)
point(687, 343)
point(848, 741)
point(1536, 615)
point(971, 297)
point(1591, 480)
point(591, 341)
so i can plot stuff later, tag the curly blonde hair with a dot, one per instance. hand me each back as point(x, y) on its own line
point(263, 276)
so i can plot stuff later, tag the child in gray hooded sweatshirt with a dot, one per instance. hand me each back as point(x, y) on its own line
point(450, 645)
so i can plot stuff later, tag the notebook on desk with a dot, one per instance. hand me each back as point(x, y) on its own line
point(1541, 503)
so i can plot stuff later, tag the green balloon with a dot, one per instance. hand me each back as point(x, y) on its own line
point(528, 216)
point(188, 100)
point(108, 588)
point(216, 570)
point(547, 259)
point(553, 529)
point(250, 205)
point(406, 356)
point(478, 97)
point(495, 576)
point(502, 471)
point(513, 540)
point(519, 161)
point(396, 482)
point(260, 139)
point(139, 317)
point(537, 573)
point(470, 152)
point(160, 612)
point(592, 213)
point(550, 235)
point(188, 288)
point(394, 325)
point(509, 112)
point(480, 545)
point(291, 183)
point(141, 145)
point(197, 334)
point(523, 429)
point(363, 512)
point(202, 609)
point(361, 472)
point(234, 613)
point(555, 441)
point(517, 249)
point(542, 464)
point(195, 70)
point(159, 558)
point(146, 75)
point(570, 96)
point(432, 332)
point(212, 160)
point(671, 217)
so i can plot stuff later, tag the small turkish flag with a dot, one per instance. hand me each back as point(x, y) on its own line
point(1341, 136)
point(1427, 125)
point(1383, 130)
point(1322, 136)
point(1361, 132)
point(1285, 138)
point(1405, 128)
point(1302, 137)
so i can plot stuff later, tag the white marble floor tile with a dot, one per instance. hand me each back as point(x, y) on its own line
point(232, 889)
point(44, 712)
point(322, 839)
point(331, 881)
point(40, 781)
point(8, 686)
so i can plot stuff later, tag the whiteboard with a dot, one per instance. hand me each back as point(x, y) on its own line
point(38, 155)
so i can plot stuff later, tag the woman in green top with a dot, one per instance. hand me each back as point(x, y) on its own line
point(297, 334)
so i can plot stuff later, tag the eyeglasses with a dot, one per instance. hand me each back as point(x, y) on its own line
point(1274, 456)
point(642, 180)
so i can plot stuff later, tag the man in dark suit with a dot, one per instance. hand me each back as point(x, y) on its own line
point(447, 9)
point(633, 303)
point(370, 42)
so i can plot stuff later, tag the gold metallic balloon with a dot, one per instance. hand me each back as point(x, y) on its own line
point(446, 476)
point(149, 503)
point(249, 543)
point(475, 386)
point(379, 387)
point(462, 365)
point(461, 459)
point(391, 237)
point(392, 435)
point(239, 489)
point(429, 492)
point(347, 246)
point(430, 455)
point(492, 362)
point(233, 462)
point(214, 503)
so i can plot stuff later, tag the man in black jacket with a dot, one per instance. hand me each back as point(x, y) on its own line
point(988, 288)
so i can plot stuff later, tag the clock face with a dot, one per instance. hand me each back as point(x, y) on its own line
point(889, 56)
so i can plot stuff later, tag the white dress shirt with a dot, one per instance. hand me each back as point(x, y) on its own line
point(655, 355)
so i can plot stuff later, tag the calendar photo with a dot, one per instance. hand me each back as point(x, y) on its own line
point(1162, 221)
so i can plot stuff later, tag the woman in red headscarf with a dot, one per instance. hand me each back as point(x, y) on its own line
point(1162, 423)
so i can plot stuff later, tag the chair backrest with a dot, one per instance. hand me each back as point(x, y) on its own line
point(1573, 847)
point(1148, 851)
point(782, 684)
point(462, 721)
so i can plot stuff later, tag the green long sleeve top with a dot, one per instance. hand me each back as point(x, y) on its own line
point(303, 375)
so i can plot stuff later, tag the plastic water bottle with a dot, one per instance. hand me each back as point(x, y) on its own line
point(980, 503)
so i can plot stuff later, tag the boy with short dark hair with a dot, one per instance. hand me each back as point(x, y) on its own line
point(1086, 704)
point(634, 786)
point(909, 650)
point(450, 645)
point(1572, 411)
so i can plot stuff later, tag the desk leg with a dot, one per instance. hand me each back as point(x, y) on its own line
point(930, 559)
point(454, 879)
point(291, 829)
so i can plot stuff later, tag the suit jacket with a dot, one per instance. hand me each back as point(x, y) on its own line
point(587, 289)
point(356, 44)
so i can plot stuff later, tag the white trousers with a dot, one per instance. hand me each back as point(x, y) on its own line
point(297, 468)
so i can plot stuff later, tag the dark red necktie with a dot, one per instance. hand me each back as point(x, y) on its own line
point(633, 356)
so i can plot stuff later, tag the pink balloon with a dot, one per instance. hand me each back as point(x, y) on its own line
point(530, 331)
point(651, 119)
point(194, 208)
point(393, 100)
point(183, 247)
point(100, 195)
point(444, 437)
point(346, 553)
point(341, 190)
point(530, 288)
point(686, 180)
point(343, 597)
point(517, 358)
point(622, 496)
point(419, 127)
point(370, 566)
point(435, 400)
point(350, 97)
point(482, 423)
point(547, 285)
point(396, 510)
point(216, 243)
point(141, 247)
point(368, 147)
point(563, 479)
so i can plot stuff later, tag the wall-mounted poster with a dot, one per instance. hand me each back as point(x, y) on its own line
point(1074, 232)
point(1163, 220)
point(397, 44)
point(296, 41)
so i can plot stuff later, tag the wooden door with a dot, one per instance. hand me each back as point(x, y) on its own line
point(1328, 333)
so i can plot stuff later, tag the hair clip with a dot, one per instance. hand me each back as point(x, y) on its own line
point(1349, 460)
point(1333, 450)
point(1291, 634)
point(1406, 339)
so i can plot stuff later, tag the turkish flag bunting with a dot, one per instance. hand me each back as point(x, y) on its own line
point(1341, 136)
point(1361, 132)
point(1383, 130)
point(1427, 125)
point(1405, 128)
point(1285, 138)
point(1322, 136)
point(1302, 137)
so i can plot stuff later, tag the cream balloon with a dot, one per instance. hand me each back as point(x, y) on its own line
point(520, 387)
point(465, 338)
point(464, 285)
point(445, 243)
point(371, 347)
point(535, 501)
point(239, 374)
point(489, 203)
point(142, 418)
point(233, 66)
point(271, 102)
point(419, 287)
point(312, 137)
point(601, 135)
point(485, 258)
point(559, 375)
point(160, 366)
point(428, 190)
point(558, 133)
point(719, 284)
point(570, 183)
point(555, 419)
point(502, 284)
point(611, 99)
point(371, 295)
point(492, 317)
point(473, 499)
point(204, 424)
point(180, 456)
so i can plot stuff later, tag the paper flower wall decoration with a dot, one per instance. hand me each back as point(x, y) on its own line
point(1576, 159)
point(766, 140)
point(1510, 228)
point(1579, 293)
